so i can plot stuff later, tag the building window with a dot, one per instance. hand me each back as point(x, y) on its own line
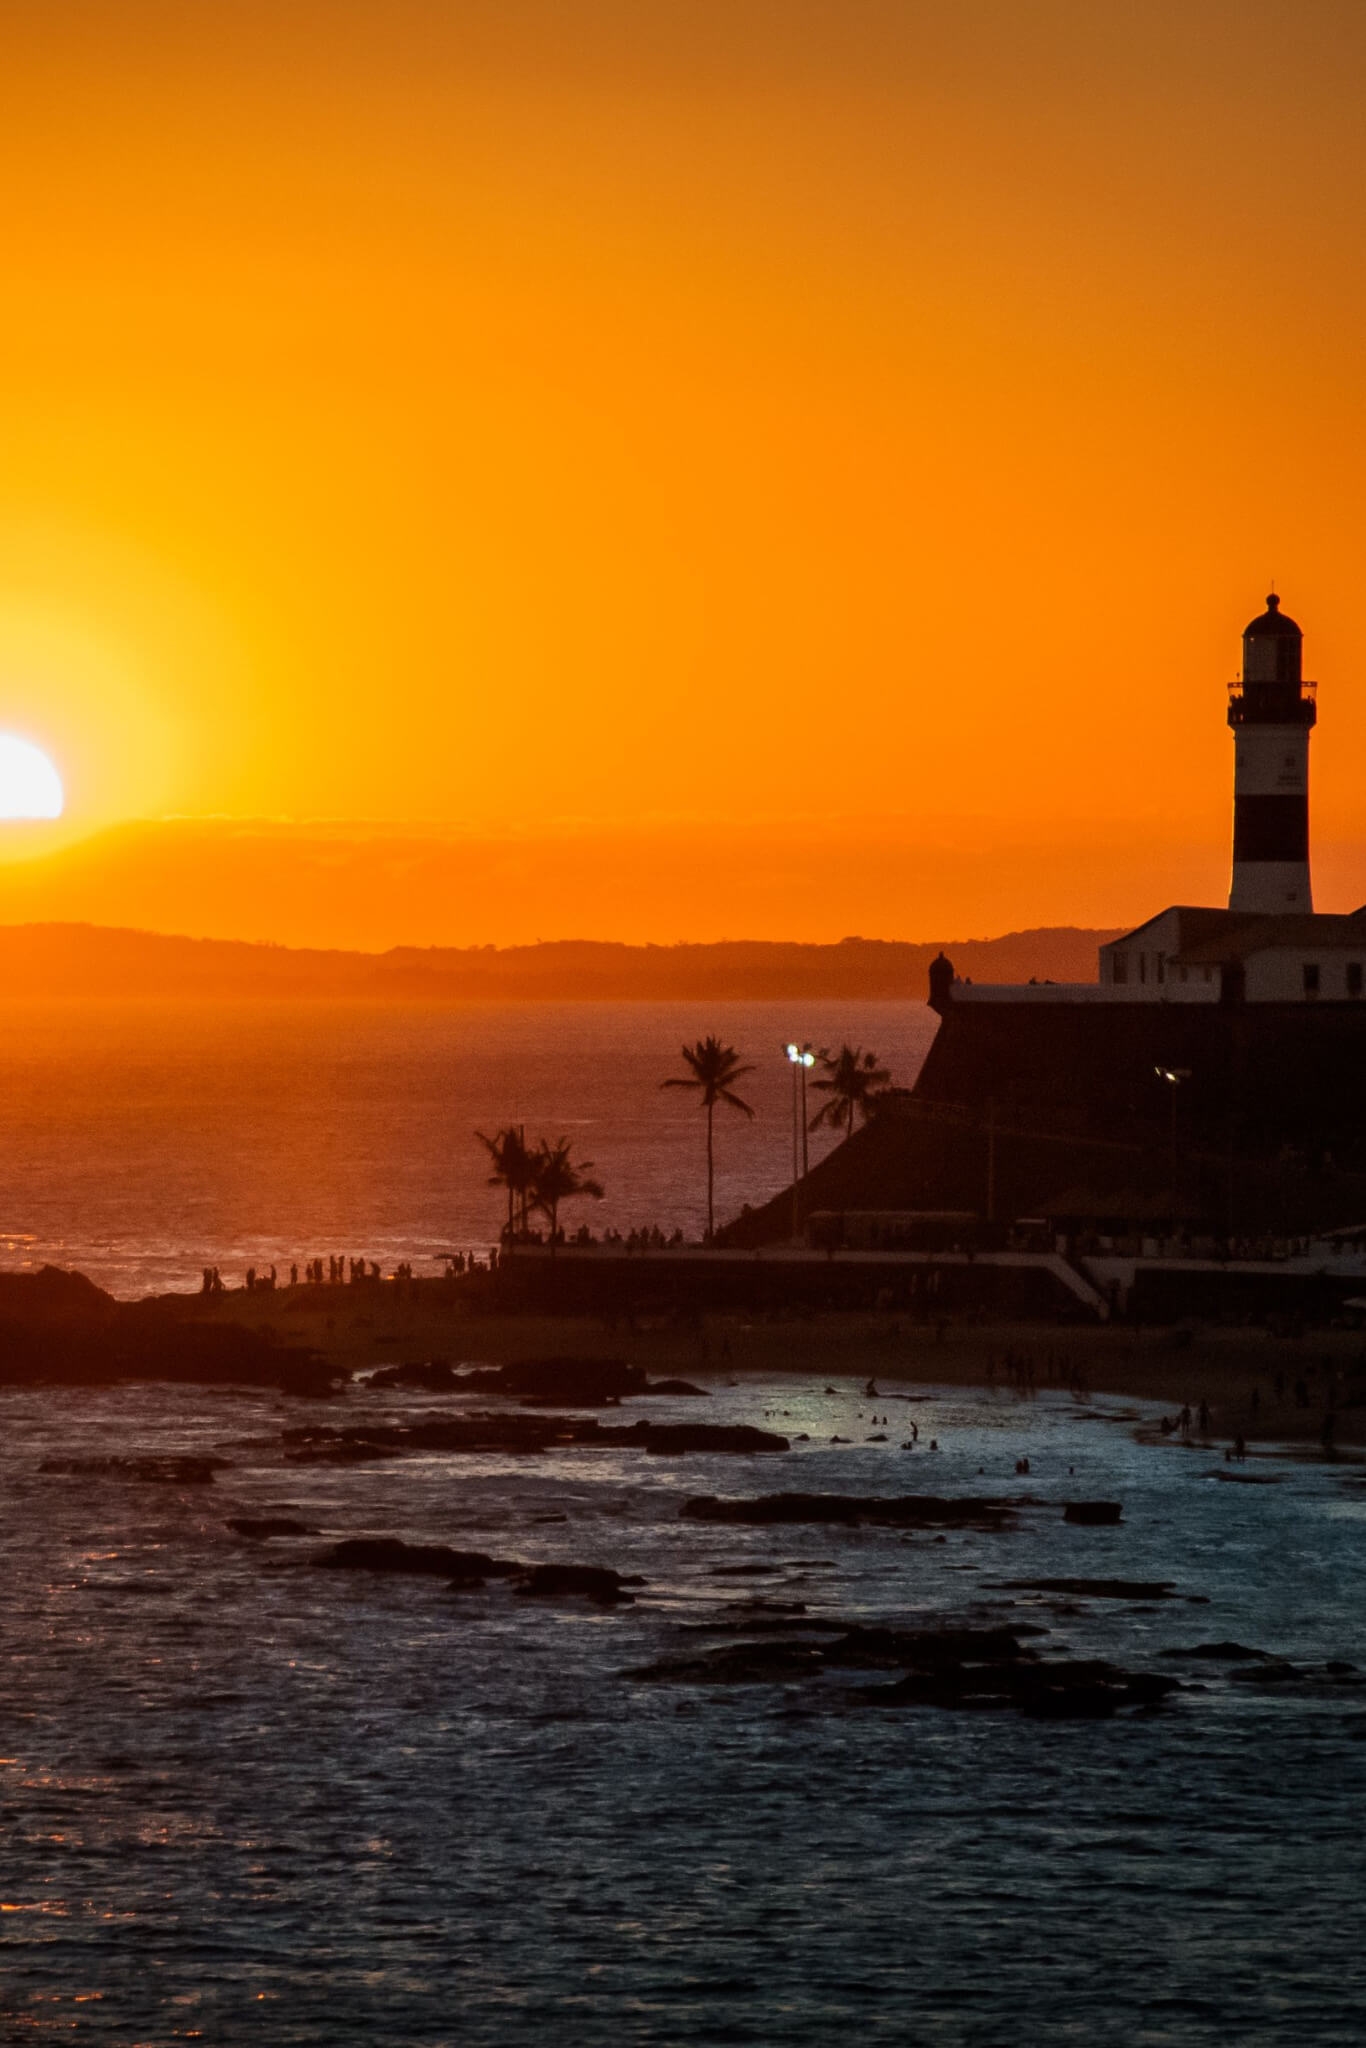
point(1354, 977)
point(1311, 977)
point(1143, 967)
point(1119, 967)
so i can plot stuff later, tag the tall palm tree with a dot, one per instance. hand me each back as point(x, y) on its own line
point(556, 1178)
point(851, 1078)
point(713, 1069)
point(513, 1163)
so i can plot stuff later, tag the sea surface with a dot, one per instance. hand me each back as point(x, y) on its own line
point(141, 1142)
point(246, 1800)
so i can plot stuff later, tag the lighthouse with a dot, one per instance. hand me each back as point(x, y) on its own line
point(1272, 713)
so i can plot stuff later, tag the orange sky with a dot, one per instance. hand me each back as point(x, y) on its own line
point(867, 424)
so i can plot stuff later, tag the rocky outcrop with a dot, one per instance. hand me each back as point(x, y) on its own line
point(1053, 1689)
point(1098, 1589)
point(750, 1663)
point(260, 1528)
point(898, 1511)
point(960, 1668)
point(143, 1471)
point(598, 1583)
point(54, 1299)
point(429, 1376)
point(1093, 1514)
point(414, 1560)
point(64, 1332)
point(1221, 1653)
point(578, 1382)
point(536, 1382)
point(323, 1443)
point(461, 1568)
point(674, 1439)
point(519, 1432)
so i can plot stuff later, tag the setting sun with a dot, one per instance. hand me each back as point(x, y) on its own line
point(30, 786)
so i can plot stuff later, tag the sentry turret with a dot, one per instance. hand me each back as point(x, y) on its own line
point(1272, 711)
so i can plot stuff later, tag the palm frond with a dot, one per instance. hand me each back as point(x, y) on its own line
point(714, 1068)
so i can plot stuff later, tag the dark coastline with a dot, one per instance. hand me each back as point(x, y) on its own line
point(309, 1341)
point(86, 961)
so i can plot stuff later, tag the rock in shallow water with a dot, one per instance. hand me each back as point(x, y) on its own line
point(595, 1582)
point(1222, 1653)
point(961, 1668)
point(391, 1554)
point(359, 1443)
point(258, 1528)
point(145, 1471)
point(422, 1560)
point(427, 1376)
point(669, 1439)
point(897, 1511)
point(583, 1382)
point(1097, 1589)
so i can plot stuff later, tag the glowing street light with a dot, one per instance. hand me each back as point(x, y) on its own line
point(802, 1058)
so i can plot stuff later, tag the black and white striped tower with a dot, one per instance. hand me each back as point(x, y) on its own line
point(1272, 713)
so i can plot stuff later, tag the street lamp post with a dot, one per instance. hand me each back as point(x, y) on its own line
point(1173, 1076)
point(802, 1059)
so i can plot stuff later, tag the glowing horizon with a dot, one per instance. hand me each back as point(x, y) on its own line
point(474, 418)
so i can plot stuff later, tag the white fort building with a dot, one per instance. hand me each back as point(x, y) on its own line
point(1268, 946)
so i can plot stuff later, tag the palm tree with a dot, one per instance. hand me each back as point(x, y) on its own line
point(556, 1178)
point(714, 1069)
point(513, 1164)
point(852, 1077)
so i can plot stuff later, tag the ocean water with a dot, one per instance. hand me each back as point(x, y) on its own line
point(243, 1800)
point(140, 1142)
point(246, 1800)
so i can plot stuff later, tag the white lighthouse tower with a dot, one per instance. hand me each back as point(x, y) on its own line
point(1272, 712)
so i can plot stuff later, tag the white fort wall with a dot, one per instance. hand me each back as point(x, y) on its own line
point(1298, 974)
point(1093, 992)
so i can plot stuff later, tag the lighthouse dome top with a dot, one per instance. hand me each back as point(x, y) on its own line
point(1273, 623)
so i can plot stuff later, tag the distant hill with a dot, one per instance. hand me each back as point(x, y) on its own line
point(368, 887)
point(81, 960)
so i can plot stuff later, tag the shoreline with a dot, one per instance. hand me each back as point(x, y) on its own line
point(1266, 1388)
